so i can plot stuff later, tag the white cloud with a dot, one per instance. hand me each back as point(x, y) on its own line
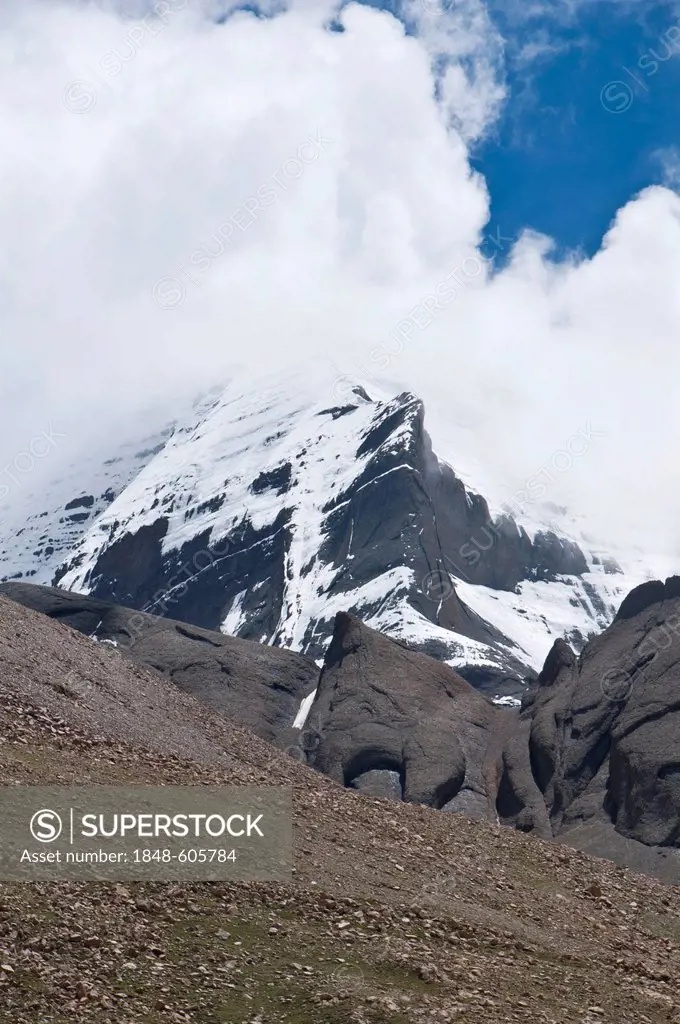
point(669, 161)
point(99, 206)
point(467, 55)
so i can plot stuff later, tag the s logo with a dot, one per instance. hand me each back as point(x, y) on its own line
point(46, 826)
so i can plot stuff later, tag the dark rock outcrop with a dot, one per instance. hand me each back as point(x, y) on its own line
point(257, 686)
point(603, 736)
point(392, 721)
point(592, 759)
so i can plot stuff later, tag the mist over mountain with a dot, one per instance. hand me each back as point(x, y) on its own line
point(192, 205)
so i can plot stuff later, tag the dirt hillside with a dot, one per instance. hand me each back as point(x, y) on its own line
point(397, 913)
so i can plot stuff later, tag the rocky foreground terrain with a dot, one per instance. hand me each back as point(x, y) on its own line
point(396, 912)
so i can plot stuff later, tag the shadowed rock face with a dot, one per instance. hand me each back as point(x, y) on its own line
point(257, 686)
point(593, 759)
point(394, 722)
point(603, 732)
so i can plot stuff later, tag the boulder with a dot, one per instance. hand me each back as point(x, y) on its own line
point(393, 721)
point(603, 733)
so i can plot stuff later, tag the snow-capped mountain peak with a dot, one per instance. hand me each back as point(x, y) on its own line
point(269, 508)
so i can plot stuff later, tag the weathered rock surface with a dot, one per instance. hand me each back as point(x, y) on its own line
point(593, 758)
point(259, 687)
point(393, 721)
point(603, 735)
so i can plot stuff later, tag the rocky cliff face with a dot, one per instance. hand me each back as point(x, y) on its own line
point(269, 510)
point(604, 729)
point(390, 720)
point(593, 757)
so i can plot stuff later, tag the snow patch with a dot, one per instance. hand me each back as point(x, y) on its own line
point(304, 709)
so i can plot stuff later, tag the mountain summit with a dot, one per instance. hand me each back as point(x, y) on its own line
point(271, 508)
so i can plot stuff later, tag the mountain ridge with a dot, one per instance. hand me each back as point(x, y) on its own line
point(269, 510)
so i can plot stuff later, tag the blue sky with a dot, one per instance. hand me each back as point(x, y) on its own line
point(558, 161)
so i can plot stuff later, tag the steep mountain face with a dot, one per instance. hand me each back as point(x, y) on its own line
point(270, 509)
point(41, 529)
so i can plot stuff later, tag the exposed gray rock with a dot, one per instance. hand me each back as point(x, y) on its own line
point(592, 759)
point(381, 708)
point(380, 783)
point(402, 509)
point(603, 735)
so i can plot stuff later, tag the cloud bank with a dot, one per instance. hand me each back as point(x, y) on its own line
point(184, 199)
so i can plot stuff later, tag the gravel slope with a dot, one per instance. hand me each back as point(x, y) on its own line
point(397, 913)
